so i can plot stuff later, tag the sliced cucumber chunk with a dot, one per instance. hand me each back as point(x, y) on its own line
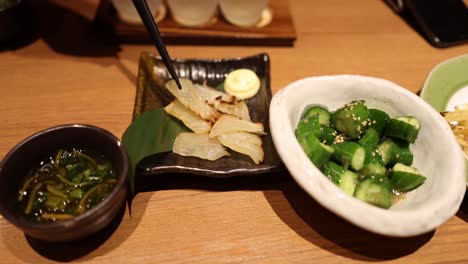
point(333, 171)
point(406, 178)
point(370, 139)
point(378, 119)
point(372, 169)
point(373, 192)
point(349, 153)
point(326, 134)
point(395, 151)
point(401, 153)
point(348, 182)
point(317, 152)
point(345, 179)
point(385, 150)
point(306, 126)
point(382, 179)
point(404, 127)
point(319, 111)
point(351, 119)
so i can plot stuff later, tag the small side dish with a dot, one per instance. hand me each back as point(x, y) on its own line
point(66, 185)
point(458, 120)
point(150, 144)
point(217, 120)
point(363, 151)
point(446, 87)
point(436, 153)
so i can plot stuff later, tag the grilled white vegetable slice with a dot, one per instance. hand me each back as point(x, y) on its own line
point(245, 143)
point(190, 119)
point(223, 102)
point(198, 145)
point(237, 108)
point(191, 98)
point(228, 123)
point(210, 94)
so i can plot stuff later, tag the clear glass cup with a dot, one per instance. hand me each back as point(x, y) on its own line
point(128, 12)
point(192, 12)
point(242, 13)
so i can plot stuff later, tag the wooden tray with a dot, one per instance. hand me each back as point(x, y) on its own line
point(279, 32)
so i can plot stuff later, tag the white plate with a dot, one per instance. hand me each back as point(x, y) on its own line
point(446, 86)
point(437, 154)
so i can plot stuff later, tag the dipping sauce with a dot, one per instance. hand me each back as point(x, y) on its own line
point(66, 185)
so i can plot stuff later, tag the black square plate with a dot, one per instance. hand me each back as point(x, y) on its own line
point(151, 94)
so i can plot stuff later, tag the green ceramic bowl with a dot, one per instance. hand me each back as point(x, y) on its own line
point(447, 85)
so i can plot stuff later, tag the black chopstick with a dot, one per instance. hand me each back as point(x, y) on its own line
point(147, 18)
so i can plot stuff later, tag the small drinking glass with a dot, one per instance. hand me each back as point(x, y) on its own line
point(128, 12)
point(244, 13)
point(192, 12)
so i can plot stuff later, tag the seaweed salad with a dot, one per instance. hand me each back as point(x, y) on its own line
point(66, 185)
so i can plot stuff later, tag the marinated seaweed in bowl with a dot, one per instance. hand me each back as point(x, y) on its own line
point(66, 185)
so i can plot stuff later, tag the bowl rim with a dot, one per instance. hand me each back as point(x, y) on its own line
point(410, 223)
point(426, 91)
point(121, 180)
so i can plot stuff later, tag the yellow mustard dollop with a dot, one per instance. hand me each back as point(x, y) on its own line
point(242, 83)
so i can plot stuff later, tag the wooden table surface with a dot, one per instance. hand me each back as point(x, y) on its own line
point(64, 76)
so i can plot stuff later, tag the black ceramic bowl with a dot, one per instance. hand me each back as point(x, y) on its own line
point(27, 154)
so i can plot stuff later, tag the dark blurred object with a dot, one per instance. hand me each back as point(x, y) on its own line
point(14, 20)
point(442, 23)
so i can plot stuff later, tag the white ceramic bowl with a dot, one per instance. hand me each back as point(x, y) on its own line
point(437, 155)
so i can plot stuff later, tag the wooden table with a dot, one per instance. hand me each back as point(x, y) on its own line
point(65, 77)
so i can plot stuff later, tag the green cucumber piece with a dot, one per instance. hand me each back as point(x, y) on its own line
point(349, 154)
point(403, 127)
point(406, 178)
point(382, 179)
point(345, 179)
point(351, 119)
point(374, 192)
point(378, 119)
point(370, 139)
point(317, 152)
point(348, 182)
point(395, 151)
point(401, 153)
point(385, 150)
point(319, 111)
point(372, 169)
point(306, 126)
point(333, 171)
point(326, 134)
point(311, 124)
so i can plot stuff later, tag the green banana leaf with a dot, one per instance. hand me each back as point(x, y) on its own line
point(152, 132)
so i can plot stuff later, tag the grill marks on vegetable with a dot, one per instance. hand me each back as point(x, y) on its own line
point(363, 151)
point(217, 120)
point(66, 185)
